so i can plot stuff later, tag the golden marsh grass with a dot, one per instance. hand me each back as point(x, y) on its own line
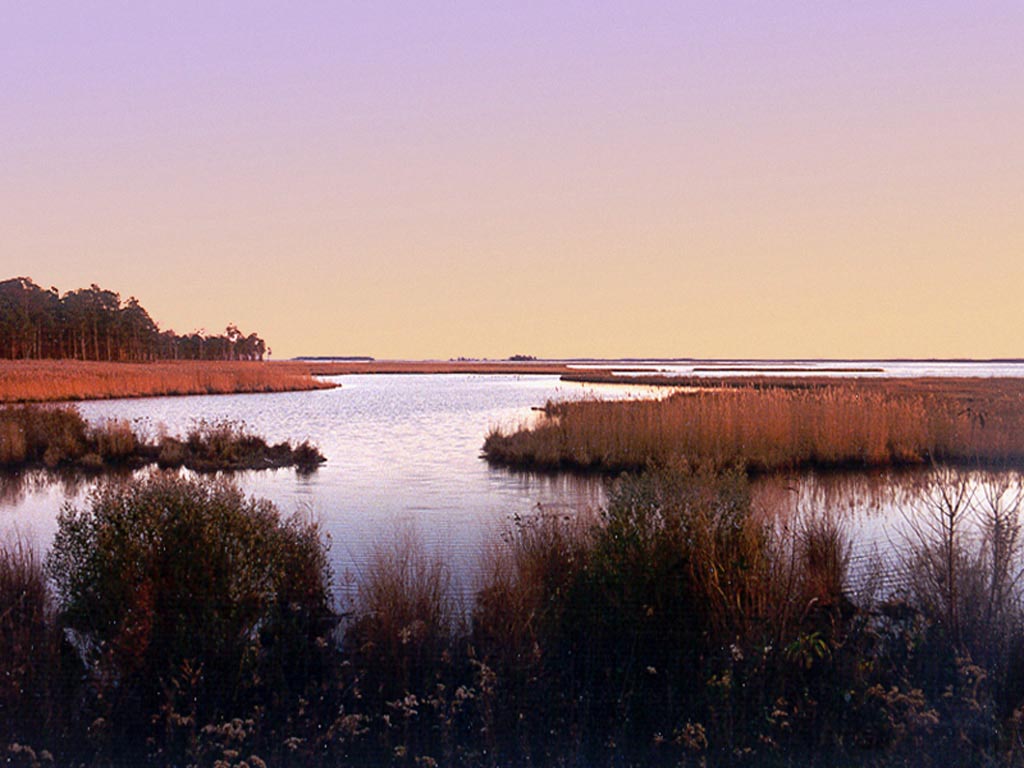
point(59, 380)
point(763, 427)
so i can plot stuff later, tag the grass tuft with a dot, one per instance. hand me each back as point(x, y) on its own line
point(55, 436)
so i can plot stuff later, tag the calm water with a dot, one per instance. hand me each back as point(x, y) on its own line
point(404, 457)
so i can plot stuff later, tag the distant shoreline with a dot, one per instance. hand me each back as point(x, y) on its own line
point(343, 368)
point(25, 381)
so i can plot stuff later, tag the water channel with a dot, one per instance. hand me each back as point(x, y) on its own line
point(404, 458)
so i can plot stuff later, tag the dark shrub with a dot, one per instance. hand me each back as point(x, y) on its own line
point(188, 595)
point(307, 457)
point(608, 637)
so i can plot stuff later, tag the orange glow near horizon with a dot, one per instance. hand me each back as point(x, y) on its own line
point(741, 182)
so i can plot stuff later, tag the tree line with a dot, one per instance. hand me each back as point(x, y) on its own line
point(95, 324)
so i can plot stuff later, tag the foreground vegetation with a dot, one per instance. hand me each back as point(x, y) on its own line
point(63, 380)
point(679, 626)
point(58, 437)
point(174, 603)
point(768, 426)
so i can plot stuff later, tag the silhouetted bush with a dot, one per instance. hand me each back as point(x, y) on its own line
point(191, 601)
point(685, 627)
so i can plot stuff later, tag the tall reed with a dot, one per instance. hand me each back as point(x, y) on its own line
point(407, 616)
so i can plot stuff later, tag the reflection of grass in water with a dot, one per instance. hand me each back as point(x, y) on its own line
point(882, 511)
point(15, 486)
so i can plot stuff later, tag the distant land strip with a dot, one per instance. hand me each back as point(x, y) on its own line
point(780, 369)
point(341, 368)
point(36, 381)
point(25, 381)
point(967, 387)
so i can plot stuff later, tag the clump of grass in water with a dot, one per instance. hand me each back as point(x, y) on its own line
point(56, 436)
point(42, 436)
point(211, 446)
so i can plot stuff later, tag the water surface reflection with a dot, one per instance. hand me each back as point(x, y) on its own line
point(404, 454)
point(885, 516)
point(402, 451)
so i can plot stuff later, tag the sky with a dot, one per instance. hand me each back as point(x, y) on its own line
point(571, 179)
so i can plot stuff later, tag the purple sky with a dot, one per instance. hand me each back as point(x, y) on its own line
point(428, 180)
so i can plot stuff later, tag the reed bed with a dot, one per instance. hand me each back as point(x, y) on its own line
point(61, 380)
point(406, 620)
point(773, 428)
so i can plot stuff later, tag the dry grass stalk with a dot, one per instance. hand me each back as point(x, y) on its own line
point(537, 558)
point(406, 613)
point(964, 558)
